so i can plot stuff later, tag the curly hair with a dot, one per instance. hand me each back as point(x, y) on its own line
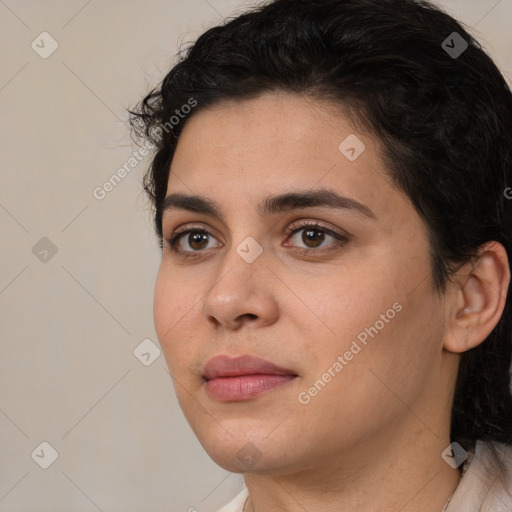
point(444, 123)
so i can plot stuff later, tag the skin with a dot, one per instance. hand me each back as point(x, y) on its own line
point(382, 422)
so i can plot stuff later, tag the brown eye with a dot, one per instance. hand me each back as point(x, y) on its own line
point(190, 241)
point(197, 240)
point(313, 236)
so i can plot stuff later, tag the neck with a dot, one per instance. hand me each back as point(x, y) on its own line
point(407, 475)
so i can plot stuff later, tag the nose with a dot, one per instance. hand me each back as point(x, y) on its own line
point(241, 294)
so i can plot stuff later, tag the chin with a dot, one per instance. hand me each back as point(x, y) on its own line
point(239, 454)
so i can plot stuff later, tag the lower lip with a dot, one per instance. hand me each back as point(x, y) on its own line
point(244, 387)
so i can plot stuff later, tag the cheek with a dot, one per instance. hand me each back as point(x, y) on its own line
point(415, 344)
point(385, 332)
point(163, 306)
point(344, 303)
point(173, 304)
point(383, 366)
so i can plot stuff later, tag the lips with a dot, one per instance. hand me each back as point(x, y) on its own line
point(243, 378)
point(224, 366)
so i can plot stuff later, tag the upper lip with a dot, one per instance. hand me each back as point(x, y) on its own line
point(225, 366)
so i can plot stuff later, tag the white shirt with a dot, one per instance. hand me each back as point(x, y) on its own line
point(481, 488)
point(237, 505)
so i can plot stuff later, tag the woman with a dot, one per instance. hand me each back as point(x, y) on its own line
point(331, 190)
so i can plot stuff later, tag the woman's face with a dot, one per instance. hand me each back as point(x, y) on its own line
point(347, 305)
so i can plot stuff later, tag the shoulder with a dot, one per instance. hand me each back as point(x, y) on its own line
point(237, 503)
point(486, 483)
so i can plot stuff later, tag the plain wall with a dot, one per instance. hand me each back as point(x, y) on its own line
point(69, 325)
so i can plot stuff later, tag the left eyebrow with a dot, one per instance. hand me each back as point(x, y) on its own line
point(271, 205)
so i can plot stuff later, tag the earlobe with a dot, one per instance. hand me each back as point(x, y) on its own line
point(479, 298)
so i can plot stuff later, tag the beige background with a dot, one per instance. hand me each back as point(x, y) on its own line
point(69, 325)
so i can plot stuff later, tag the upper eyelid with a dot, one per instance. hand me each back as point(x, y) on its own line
point(295, 225)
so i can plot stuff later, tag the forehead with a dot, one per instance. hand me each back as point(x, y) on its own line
point(242, 152)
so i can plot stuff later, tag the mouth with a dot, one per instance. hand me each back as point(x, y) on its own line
point(242, 378)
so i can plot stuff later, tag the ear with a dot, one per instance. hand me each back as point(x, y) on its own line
point(477, 298)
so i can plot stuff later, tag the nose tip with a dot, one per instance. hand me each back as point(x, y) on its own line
point(244, 295)
point(237, 322)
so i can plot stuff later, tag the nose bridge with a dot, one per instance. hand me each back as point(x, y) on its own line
point(245, 251)
point(241, 287)
point(241, 268)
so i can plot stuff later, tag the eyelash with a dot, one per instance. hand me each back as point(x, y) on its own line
point(173, 241)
